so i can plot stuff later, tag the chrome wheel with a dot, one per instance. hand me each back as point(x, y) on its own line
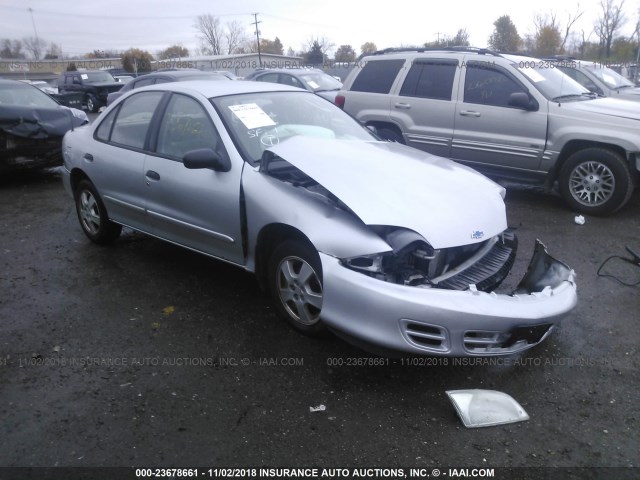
point(89, 212)
point(299, 290)
point(592, 183)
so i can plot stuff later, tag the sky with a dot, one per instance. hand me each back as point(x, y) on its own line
point(153, 25)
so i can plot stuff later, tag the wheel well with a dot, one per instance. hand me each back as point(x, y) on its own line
point(391, 126)
point(268, 239)
point(77, 176)
point(577, 145)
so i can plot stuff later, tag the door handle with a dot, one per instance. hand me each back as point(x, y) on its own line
point(88, 157)
point(151, 175)
point(404, 106)
point(469, 113)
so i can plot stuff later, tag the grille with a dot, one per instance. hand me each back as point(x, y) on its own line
point(514, 341)
point(489, 272)
point(429, 337)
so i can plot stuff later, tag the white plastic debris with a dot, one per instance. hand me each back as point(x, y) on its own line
point(579, 220)
point(319, 408)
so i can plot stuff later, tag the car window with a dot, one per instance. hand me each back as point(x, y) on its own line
point(132, 123)
point(143, 82)
point(582, 79)
point(488, 85)
point(104, 129)
point(268, 77)
point(430, 79)
point(290, 80)
point(186, 126)
point(377, 76)
point(25, 95)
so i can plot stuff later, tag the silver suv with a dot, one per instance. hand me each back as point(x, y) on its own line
point(512, 117)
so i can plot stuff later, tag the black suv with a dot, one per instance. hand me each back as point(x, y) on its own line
point(95, 85)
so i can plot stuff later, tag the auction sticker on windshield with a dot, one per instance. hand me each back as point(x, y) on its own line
point(251, 115)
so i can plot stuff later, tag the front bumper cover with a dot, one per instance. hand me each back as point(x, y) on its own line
point(389, 318)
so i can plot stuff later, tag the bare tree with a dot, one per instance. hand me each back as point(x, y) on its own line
point(609, 23)
point(35, 46)
point(569, 25)
point(210, 33)
point(235, 36)
point(11, 48)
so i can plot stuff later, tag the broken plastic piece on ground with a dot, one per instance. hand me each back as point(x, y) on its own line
point(319, 408)
point(579, 220)
point(485, 408)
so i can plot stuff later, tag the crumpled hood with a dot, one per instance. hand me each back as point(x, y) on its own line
point(390, 184)
point(615, 107)
point(38, 123)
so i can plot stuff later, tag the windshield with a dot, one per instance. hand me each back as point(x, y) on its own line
point(257, 121)
point(97, 77)
point(610, 78)
point(550, 81)
point(320, 81)
point(23, 95)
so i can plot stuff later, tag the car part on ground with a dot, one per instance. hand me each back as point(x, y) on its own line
point(486, 408)
point(297, 200)
point(514, 118)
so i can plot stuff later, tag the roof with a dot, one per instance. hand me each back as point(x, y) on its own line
point(219, 89)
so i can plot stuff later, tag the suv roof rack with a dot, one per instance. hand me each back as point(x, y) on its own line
point(460, 48)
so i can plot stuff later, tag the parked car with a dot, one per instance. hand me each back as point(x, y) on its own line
point(311, 79)
point(508, 116)
point(94, 85)
point(597, 78)
point(42, 85)
point(387, 246)
point(32, 125)
point(165, 76)
point(123, 78)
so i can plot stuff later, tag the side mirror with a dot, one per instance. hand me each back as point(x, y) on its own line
point(206, 158)
point(524, 101)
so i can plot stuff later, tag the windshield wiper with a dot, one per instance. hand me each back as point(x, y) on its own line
point(574, 95)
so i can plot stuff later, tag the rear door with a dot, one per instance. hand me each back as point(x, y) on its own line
point(489, 133)
point(423, 107)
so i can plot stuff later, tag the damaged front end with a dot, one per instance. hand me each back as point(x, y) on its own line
point(413, 262)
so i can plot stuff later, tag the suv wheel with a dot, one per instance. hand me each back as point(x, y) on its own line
point(91, 103)
point(595, 181)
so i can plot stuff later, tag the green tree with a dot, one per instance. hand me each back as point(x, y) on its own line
point(461, 38)
point(136, 60)
point(174, 51)
point(548, 41)
point(271, 46)
point(505, 36)
point(314, 56)
point(345, 53)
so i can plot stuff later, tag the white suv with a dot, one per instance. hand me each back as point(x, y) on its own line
point(512, 117)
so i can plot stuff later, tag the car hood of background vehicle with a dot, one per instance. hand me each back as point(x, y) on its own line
point(615, 107)
point(40, 122)
point(390, 184)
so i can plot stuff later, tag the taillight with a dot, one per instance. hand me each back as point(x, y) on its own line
point(340, 101)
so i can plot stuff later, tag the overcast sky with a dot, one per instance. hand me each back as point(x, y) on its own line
point(83, 26)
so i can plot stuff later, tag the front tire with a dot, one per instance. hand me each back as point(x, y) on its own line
point(595, 181)
point(92, 215)
point(295, 284)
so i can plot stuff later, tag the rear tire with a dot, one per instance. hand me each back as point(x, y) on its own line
point(295, 284)
point(595, 181)
point(93, 216)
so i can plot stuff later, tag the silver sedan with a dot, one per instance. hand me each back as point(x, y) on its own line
point(393, 249)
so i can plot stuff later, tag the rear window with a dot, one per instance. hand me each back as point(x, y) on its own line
point(430, 79)
point(377, 76)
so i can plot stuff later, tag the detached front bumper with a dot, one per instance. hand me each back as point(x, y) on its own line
point(392, 318)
